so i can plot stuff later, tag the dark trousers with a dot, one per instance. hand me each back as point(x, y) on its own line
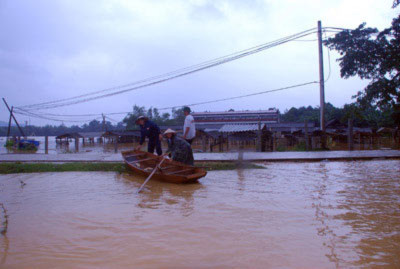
point(154, 143)
point(190, 141)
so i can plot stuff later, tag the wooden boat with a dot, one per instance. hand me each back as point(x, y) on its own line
point(143, 163)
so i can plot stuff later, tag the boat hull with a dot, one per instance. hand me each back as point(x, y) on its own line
point(142, 163)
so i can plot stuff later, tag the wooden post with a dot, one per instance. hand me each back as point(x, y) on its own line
point(259, 137)
point(46, 144)
point(240, 155)
point(12, 115)
point(350, 141)
point(76, 144)
point(116, 144)
point(321, 79)
point(306, 137)
point(9, 122)
point(393, 140)
point(227, 142)
point(371, 142)
point(103, 127)
point(321, 87)
point(313, 142)
point(203, 143)
point(271, 142)
point(274, 142)
point(18, 141)
point(359, 141)
point(220, 144)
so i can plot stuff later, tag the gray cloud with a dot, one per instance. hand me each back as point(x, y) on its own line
point(58, 49)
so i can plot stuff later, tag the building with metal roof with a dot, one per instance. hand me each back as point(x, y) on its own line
point(237, 128)
point(246, 117)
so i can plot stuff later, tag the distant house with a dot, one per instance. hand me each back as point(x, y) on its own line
point(88, 136)
point(122, 136)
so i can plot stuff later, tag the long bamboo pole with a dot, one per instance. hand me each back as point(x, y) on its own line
point(151, 175)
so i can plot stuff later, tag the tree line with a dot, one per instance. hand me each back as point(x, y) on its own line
point(363, 117)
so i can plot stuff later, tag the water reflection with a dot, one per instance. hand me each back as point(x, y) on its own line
point(372, 203)
point(241, 179)
point(290, 215)
point(321, 205)
point(160, 194)
point(4, 249)
point(357, 206)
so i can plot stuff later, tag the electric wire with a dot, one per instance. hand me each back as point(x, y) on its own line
point(242, 96)
point(329, 64)
point(26, 110)
point(172, 75)
point(28, 113)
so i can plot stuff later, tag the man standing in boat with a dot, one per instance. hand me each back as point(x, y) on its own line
point(189, 128)
point(152, 131)
point(180, 150)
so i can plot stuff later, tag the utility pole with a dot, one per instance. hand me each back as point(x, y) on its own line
point(12, 115)
point(9, 122)
point(321, 79)
point(104, 122)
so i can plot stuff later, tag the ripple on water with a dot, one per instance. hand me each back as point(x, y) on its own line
point(296, 215)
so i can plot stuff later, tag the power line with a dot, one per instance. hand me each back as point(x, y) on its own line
point(27, 113)
point(40, 116)
point(26, 110)
point(329, 61)
point(170, 75)
point(243, 96)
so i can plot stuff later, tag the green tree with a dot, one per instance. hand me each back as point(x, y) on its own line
point(153, 113)
point(178, 116)
point(301, 114)
point(372, 55)
point(130, 119)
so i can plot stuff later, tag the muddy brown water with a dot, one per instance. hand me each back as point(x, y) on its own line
point(289, 215)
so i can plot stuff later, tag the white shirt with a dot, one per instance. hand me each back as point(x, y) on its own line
point(189, 122)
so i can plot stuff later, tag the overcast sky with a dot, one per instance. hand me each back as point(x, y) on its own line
point(52, 49)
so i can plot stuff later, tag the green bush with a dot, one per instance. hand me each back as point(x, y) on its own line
point(9, 143)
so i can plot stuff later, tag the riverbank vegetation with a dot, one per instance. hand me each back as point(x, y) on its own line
point(18, 167)
point(363, 117)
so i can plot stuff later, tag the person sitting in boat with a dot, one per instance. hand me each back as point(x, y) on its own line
point(180, 149)
point(152, 131)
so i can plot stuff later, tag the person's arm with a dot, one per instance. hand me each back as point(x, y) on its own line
point(169, 149)
point(186, 132)
point(187, 128)
point(142, 136)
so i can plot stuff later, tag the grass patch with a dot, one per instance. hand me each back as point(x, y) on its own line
point(18, 167)
point(12, 168)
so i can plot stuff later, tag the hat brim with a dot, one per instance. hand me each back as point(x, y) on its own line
point(169, 131)
point(140, 118)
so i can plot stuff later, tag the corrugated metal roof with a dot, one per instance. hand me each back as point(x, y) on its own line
point(290, 125)
point(208, 130)
point(90, 134)
point(235, 128)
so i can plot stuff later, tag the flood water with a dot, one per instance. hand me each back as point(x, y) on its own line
point(289, 215)
point(56, 148)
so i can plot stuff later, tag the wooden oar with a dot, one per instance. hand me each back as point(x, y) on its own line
point(152, 173)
